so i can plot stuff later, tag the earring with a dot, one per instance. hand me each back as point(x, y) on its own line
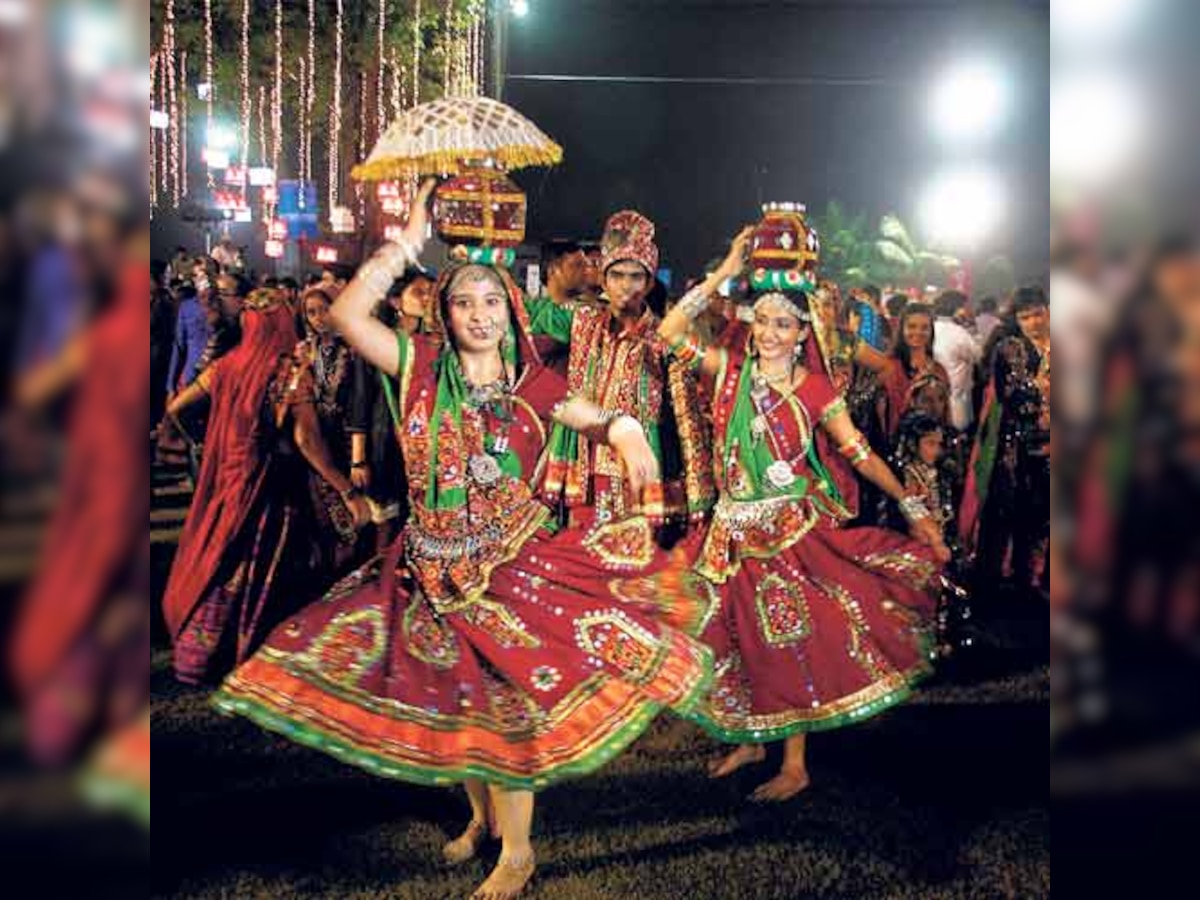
point(798, 350)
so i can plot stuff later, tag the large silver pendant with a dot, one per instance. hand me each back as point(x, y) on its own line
point(483, 469)
point(780, 474)
point(759, 427)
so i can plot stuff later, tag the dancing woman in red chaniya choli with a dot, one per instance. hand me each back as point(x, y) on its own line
point(819, 626)
point(484, 648)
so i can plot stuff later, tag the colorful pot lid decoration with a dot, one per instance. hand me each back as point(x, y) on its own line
point(784, 250)
point(446, 136)
point(480, 207)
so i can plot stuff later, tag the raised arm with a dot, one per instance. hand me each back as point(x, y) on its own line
point(676, 327)
point(353, 311)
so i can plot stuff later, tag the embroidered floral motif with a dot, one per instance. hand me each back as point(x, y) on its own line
point(450, 461)
point(730, 696)
point(860, 646)
point(514, 710)
point(621, 545)
point(502, 625)
point(909, 567)
point(615, 638)
point(349, 646)
point(545, 678)
point(427, 637)
point(783, 615)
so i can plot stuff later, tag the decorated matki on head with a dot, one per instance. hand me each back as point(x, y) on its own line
point(483, 210)
point(784, 250)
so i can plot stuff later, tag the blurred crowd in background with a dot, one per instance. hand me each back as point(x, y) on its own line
point(74, 271)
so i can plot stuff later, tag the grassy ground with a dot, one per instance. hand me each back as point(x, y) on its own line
point(941, 798)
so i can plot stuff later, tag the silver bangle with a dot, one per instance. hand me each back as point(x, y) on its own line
point(693, 302)
point(388, 264)
point(913, 509)
point(614, 418)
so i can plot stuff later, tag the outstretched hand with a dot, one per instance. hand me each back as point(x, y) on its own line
point(641, 465)
point(927, 533)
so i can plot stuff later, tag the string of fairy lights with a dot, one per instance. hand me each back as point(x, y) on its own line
point(182, 170)
point(155, 101)
point(335, 111)
point(244, 78)
point(208, 81)
point(310, 91)
point(272, 132)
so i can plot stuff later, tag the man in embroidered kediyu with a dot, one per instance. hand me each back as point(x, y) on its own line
point(618, 362)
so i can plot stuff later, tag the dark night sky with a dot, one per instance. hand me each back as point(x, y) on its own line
point(699, 158)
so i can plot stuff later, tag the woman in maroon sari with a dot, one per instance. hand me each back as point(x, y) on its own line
point(241, 554)
point(488, 649)
point(84, 626)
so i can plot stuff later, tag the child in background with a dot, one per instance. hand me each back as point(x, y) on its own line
point(926, 469)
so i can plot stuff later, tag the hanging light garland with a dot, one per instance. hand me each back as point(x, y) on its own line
point(262, 147)
point(310, 88)
point(359, 194)
point(302, 119)
point(208, 57)
point(447, 54)
point(155, 103)
point(418, 39)
point(480, 33)
point(262, 125)
point(335, 110)
point(183, 124)
point(277, 94)
point(397, 100)
point(208, 80)
point(244, 77)
point(380, 115)
point(473, 51)
point(172, 167)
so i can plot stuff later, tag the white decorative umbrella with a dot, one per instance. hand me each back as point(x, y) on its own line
point(442, 137)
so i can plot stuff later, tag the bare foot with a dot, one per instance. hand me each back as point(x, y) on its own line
point(784, 786)
point(508, 879)
point(466, 845)
point(744, 755)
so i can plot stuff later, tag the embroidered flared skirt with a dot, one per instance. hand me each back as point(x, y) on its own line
point(829, 631)
point(561, 663)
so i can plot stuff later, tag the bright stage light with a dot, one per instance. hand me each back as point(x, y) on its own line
point(216, 159)
point(13, 12)
point(961, 208)
point(221, 137)
point(519, 8)
point(1081, 21)
point(1096, 126)
point(159, 120)
point(969, 102)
